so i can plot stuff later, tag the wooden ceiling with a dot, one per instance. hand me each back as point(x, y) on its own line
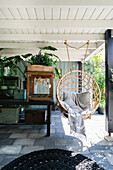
point(26, 25)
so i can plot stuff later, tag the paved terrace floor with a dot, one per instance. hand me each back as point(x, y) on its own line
point(17, 140)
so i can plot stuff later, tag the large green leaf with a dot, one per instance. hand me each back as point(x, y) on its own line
point(57, 73)
point(53, 55)
point(48, 48)
point(38, 59)
point(27, 55)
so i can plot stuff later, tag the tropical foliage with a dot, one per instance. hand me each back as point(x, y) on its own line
point(96, 68)
point(47, 59)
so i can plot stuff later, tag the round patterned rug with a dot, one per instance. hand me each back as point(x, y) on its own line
point(52, 159)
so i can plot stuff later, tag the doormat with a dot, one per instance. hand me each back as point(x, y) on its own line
point(52, 159)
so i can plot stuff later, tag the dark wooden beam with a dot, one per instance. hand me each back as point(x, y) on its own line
point(80, 82)
point(109, 83)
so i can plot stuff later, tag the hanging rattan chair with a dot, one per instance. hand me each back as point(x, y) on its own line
point(79, 81)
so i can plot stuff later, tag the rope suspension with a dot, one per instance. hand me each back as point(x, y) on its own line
point(67, 45)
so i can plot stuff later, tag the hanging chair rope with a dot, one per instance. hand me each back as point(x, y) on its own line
point(85, 54)
point(68, 55)
point(67, 45)
point(75, 47)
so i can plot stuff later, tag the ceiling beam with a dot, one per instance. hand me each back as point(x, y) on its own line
point(35, 51)
point(52, 37)
point(95, 52)
point(35, 45)
point(66, 24)
point(37, 3)
point(62, 58)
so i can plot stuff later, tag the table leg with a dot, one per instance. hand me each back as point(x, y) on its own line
point(48, 119)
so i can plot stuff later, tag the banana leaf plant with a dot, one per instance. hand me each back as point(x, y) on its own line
point(12, 64)
point(47, 59)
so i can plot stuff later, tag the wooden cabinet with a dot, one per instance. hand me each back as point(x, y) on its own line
point(39, 76)
point(35, 116)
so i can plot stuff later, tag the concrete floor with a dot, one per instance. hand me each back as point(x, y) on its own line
point(17, 140)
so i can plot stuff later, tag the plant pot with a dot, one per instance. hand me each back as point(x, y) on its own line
point(101, 110)
point(40, 68)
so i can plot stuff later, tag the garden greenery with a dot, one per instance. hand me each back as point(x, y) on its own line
point(47, 59)
point(96, 68)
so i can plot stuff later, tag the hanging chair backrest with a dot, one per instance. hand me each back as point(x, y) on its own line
point(79, 81)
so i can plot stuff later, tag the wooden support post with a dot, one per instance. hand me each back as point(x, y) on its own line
point(48, 119)
point(51, 89)
point(32, 85)
point(28, 87)
point(80, 77)
point(109, 83)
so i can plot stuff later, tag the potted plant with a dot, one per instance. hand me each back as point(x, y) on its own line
point(46, 59)
point(100, 79)
point(101, 108)
point(11, 63)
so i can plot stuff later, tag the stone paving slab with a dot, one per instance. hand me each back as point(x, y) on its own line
point(15, 130)
point(7, 149)
point(3, 130)
point(34, 135)
point(4, 135)
point(74, 148)
point(24, 142)
point(54, 147)
point(18, 135)
point(28, 149)
point(31, 131)
point(21, 139)
point(110, 167)
point(44, 142)
point(6, 141)
point(109, 156)
point(99, 148)
point(1, 157)
point(26, 127)
point(8, 158)
point(105, 143)
point(5, 162)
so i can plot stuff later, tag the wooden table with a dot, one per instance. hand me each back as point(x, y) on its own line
point(48, 103)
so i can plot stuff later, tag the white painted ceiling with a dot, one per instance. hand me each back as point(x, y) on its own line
point(26, 25)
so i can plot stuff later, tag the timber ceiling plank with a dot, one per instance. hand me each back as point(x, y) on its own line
point(54, 21)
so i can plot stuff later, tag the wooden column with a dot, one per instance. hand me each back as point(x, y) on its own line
point(109, 83)
point(80, 82)
point(48, 119)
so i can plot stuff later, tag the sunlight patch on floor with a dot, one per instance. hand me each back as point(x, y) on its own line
point(95, 129)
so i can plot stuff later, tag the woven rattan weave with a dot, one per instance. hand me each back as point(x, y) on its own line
point(79, 81)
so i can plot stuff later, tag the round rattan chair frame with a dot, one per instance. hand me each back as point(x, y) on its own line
point(79, 81)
